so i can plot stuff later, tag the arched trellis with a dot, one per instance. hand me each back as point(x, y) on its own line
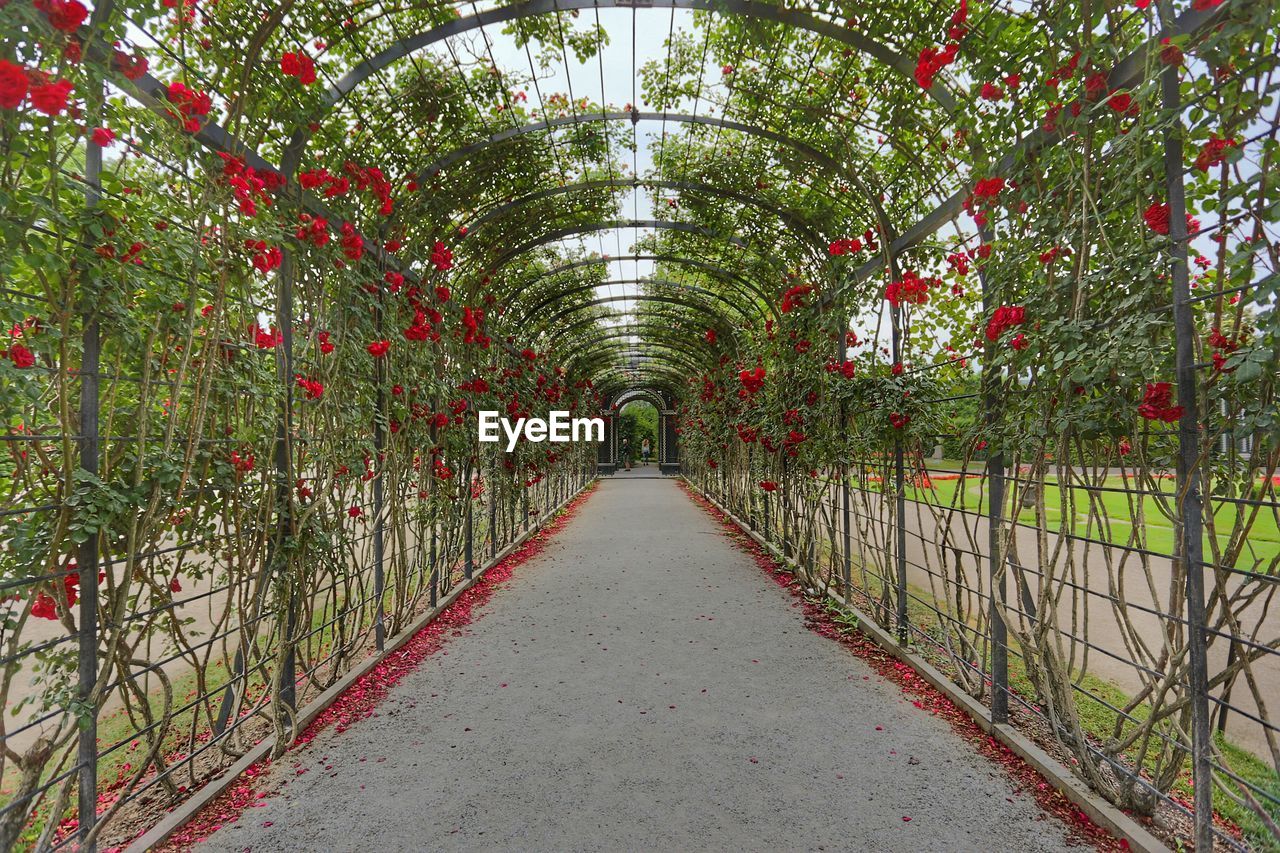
point(828, 162)
point(558, 234)
point(894, 243)
point(599, 346)
point(531, 314)
point(713, 320)
point(754, 295)
point(402, 48)
point(788, 218)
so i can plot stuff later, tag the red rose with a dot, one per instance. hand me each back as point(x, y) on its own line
point(1120, 101)
point(51, 98)
point(378, 349)
point(21, 356)
point(13, 85)
point(103, 136)
point(1157, 217)
point(64, 15)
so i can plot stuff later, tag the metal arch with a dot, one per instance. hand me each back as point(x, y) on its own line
point(713, 270)
point(611, 224)
point(801, 148)
point(532, 8)
point(585, 321)
point(1125, 74)
point(655, 373)
point(820, 158)
point(663, 352)
point(679, 345)
point(642, 386)
point(658, 225)
point(648, 395)
point(787, 216)
point(671, 379)
point(716, 319)
point(528, 316)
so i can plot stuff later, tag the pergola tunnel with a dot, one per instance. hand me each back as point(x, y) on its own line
point(965, 313)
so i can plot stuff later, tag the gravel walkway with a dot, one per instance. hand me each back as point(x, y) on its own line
point(641, 685)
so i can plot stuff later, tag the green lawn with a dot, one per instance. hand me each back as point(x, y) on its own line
point(1113, 518)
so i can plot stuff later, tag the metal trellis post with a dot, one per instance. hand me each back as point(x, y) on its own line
point(1190, 544)
point(88, 553)
point(995, 515)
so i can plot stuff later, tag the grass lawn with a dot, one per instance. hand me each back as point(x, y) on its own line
point(1115, 516)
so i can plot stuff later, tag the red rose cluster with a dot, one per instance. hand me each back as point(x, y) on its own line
point(1157, 403)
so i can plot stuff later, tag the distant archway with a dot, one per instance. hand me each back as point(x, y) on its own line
point(636, 414)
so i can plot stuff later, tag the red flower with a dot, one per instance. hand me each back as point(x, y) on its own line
point(932, 60)
point(103, 136)
point(991, 92)
point(326, 346)
point(989, 188)
point(44, 607)
point(769, 485)
point(899, 420)
point(911, 289)
point(1005, 317)
point(21, 357)
point(352, 243)
point(710, 336)
point(1120, 101)
point(1170, 53)
point(313, 389)
point(264, 339)
point(441, 257)
point(355, 512)
point(174, 586)
point(1213, 152)
point(794, 297)
point(378, 349)
point(845, 247)
point(132, 67)
point(298, 65)
point(13, 85)
point(265, 258)
point(64, 15)
point(51, 98)
point(1157, 403)
point(528, 355)
point(1095, 85)
point(1157, 217)
point(191, 104)
point(1019, 342)
point(752, 381)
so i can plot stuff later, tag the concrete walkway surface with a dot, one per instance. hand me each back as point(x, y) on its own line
point(642, 685)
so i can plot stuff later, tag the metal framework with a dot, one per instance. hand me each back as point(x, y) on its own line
point(657, 368)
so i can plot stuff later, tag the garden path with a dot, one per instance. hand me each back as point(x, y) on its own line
point(641, 684)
